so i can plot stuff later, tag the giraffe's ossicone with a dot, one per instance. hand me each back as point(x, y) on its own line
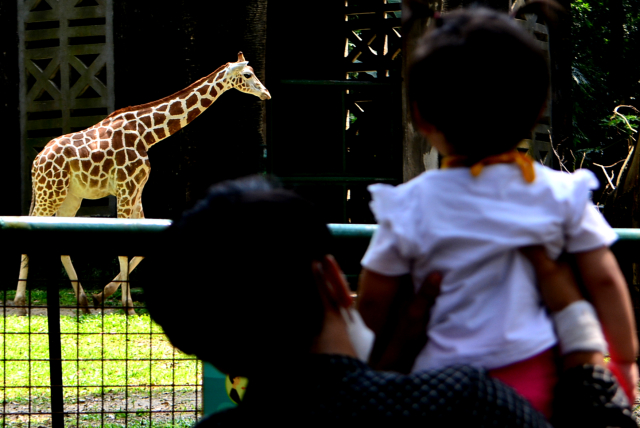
point(110, 158)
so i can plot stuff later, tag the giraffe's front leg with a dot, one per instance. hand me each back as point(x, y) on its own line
point(121, 279)
point(81, 297)
point(127, 301)
point(19, 301)
point(111, 288)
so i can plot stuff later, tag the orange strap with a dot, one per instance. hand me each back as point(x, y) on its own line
point(521, 159)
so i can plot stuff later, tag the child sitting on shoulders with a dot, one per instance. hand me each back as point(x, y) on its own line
point(478, 84)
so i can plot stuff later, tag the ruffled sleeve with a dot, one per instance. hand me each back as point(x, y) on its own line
point(389, 250)
point(586, 228)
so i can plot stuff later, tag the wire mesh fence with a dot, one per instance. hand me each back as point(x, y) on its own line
point(63, 367)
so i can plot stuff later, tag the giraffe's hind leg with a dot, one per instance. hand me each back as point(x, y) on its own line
point(69, 208)
point(19, 300)
point(43, 207)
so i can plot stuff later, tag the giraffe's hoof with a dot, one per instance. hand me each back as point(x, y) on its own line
point(20, 305)
point(97, 300)
point(84, 304)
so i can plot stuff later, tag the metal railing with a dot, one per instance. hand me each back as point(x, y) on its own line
point(65, 399)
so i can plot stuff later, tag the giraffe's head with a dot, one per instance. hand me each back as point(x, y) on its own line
point(242, 77)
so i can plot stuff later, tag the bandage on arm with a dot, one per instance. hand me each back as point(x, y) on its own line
point(579, 329)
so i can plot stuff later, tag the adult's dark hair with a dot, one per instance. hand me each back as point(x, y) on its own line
point(479, 78)
point(234, 284)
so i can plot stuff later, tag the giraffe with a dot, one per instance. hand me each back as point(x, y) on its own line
point(110, 158)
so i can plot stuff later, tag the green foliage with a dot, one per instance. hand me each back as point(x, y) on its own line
point(605, 73)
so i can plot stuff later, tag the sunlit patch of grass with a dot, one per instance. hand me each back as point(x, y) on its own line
point(105, 351)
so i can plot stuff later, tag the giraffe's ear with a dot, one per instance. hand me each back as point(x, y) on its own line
point(237, 66)
point(240, 57)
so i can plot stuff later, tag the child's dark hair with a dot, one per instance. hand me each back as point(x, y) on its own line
point(480, 79)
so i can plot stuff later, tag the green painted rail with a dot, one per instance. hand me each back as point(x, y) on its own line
point(27, 227)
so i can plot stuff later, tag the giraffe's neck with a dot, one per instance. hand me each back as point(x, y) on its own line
point(160, 119)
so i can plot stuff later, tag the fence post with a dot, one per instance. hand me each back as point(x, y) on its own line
point(55, 355)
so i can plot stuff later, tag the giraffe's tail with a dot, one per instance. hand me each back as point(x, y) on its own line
point(33, 200)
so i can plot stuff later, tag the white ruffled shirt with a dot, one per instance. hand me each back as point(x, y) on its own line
point(489, 313)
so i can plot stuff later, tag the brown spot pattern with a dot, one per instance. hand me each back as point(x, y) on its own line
point(120, 158)
point(163, 107)
point(220, 85)
point(131, 155)
point(95, 171)
point(148, 138)
point(176, 109)
point(159, 119)
point(160, 133)
point(97, 157)
point(144, 112)
point(139, 178)
point(117, 124)
point(86, 165)
point(107, 165)
point(130, 126)
point(130, 140)
point(213, 92)
point(206, 102)
point(202, 90)
point(117, 140)
point(193, 114)
point(106, 133)
point(174, 126)
point(83, 152)
point(146, 121)
point(191, 101)
point(70, 152)
point(129, 117)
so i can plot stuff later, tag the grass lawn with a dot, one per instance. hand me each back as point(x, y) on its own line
point(121, 367)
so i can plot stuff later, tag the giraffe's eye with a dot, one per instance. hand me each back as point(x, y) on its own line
point(247, 75)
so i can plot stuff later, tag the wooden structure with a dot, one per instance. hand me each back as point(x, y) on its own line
point(67, 81)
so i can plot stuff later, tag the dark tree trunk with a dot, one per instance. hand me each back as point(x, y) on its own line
point(560, 51)
point(9, 110)
point(619, 78)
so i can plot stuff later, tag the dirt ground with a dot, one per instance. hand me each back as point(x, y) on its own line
point(42, 310)
point(91, 410)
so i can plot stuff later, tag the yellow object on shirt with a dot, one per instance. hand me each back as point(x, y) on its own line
point(521, 159)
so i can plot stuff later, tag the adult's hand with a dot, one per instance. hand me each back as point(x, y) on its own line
point(404, 334)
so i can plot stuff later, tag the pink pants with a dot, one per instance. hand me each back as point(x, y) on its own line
point(533, 378)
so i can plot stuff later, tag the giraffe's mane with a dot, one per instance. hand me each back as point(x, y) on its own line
point(162, 100)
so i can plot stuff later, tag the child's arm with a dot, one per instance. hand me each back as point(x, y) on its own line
point(609, 294)
point(376, 294)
